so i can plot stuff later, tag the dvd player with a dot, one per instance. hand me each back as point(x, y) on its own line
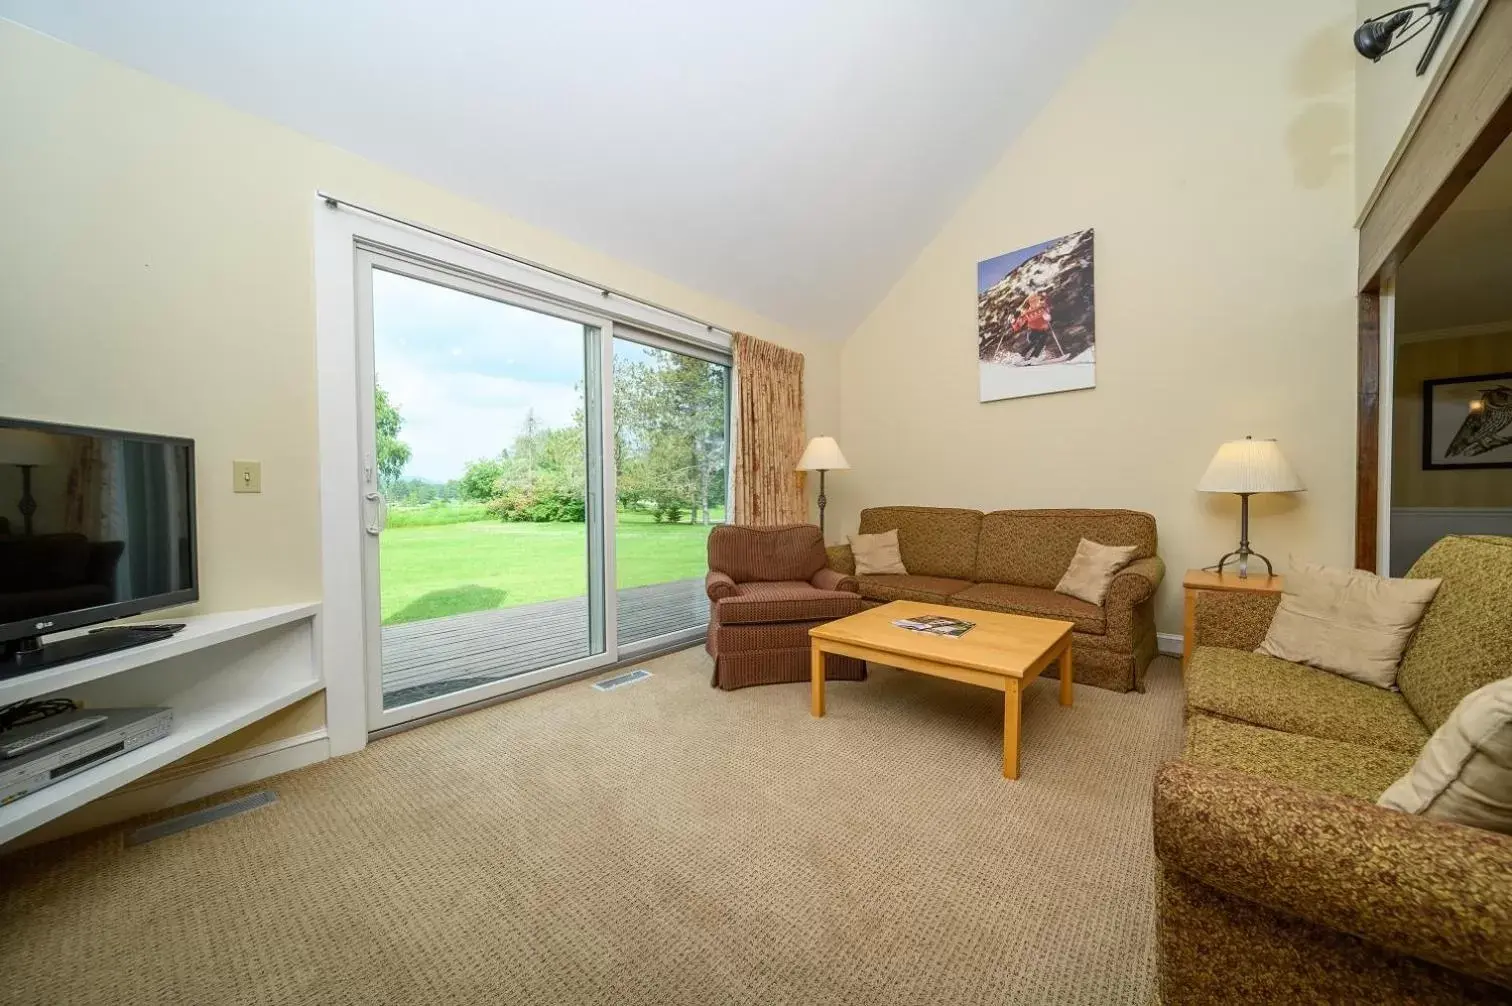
point(122, 730)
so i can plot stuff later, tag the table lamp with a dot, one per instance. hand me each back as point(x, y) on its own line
point(822, 455)
point(27, 449)
point(1246, 467)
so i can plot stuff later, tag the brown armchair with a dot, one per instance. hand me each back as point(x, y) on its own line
point(767, 587)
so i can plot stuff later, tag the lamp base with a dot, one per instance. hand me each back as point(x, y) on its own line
point(1243, 556)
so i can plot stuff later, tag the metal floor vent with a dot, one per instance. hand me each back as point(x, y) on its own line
point(220, 811)
point(621, 680)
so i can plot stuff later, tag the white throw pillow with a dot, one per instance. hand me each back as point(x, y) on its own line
point(1092, 570)
point(1347, 621)
point(877, 554)
point(1464, 773)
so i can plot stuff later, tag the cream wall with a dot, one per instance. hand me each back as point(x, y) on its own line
point(156, 249)
point(1416, 362)
point(1219, 180)
point(1388, 94)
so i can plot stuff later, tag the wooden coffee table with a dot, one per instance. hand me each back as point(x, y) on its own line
point(1002, 652)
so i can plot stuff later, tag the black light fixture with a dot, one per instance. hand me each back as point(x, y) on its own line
point(1378, 36)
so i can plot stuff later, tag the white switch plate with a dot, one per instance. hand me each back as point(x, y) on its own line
point(246, 476)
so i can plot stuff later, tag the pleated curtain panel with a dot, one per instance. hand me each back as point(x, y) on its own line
point(769, 434)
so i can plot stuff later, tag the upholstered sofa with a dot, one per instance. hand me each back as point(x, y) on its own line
point(1280, 880)
point(767, 587)
point(1011, 560)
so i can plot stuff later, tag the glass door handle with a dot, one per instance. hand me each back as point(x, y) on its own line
point(376, 527)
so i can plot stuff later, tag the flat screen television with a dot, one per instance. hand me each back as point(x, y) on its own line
point(94, 525)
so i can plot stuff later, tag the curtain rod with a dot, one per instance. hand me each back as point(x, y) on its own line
point(335, 202)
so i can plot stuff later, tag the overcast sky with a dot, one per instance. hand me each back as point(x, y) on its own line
point(463, 371)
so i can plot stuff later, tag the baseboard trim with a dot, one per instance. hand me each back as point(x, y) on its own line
point(1170, 643)
point(215, 775)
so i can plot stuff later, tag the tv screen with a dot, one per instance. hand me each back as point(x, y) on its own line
point(94, 525)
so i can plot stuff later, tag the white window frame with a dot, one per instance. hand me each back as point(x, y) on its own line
point(339, 234)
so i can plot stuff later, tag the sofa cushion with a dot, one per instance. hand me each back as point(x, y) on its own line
point(1464, 641)
point(1334, 766)
point(1347, 621)
point(1464, 773)
point(785, 601)
point(1034, 548)
point(1268, 692)
point(933, 589)
point(877, 554)
point(1035, 601)
point(741, 637)
point(789, 552)
point(935, 541)
point(1092, 570)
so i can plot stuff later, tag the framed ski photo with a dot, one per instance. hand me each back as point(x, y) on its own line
point(1036, 330)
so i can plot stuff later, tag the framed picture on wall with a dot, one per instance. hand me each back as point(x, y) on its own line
point(1036, 325)
point(1467, 422)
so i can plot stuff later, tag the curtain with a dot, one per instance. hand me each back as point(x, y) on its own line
point(769, 434)
point(83, 497)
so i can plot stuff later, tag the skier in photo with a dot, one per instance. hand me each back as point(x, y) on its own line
point(1034, 316)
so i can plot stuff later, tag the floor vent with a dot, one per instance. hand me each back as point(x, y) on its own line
point(219, 812)
point(621, 680)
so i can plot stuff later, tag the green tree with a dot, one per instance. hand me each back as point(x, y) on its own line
point(670, 418)
point(393, 453)
point(481, 476)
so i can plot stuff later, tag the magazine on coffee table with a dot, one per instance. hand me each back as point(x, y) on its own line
point(935, 625)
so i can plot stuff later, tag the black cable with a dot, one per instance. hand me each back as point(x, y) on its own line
point(31, 710)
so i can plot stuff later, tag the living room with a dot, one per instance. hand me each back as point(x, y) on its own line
point(510, 328)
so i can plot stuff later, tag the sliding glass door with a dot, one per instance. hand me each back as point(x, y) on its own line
point(671, 449)
point(538, 484)
point(483, 487)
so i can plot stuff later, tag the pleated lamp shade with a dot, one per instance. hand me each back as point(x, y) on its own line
point(1249, 466)
point(822, 454)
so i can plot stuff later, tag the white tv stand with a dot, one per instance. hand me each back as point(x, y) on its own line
point(222, 672)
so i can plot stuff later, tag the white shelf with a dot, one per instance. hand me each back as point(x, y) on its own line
point(191, 732)
point(199, 632)
point(223, 672)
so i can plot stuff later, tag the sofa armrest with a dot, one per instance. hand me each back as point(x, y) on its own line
point(718, 585)
point(1236, 620)
point(1435, 891)
point(1135, 583)
point(841, 560)
point(832, 579)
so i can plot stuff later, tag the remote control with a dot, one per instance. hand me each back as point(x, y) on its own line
point(143, 627)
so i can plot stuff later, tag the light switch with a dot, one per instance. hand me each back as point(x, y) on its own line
point(246, 476)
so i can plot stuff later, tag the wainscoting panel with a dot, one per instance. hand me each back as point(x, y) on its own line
point(1413, 529)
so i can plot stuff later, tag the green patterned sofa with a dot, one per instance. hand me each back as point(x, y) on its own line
point(1011, 560)
point(1280, 880)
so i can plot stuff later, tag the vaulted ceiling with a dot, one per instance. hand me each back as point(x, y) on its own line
point(792, 156)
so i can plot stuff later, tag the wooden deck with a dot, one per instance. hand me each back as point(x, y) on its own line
point(441, 655)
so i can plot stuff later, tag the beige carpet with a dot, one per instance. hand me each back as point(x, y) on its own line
point(663, 843)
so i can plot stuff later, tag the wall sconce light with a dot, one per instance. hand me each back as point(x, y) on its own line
point(1378, 36)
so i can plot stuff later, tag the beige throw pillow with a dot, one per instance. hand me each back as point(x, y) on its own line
point(1347, 621)
point(1092, 569)
point(1464, 773)
point(877, 554)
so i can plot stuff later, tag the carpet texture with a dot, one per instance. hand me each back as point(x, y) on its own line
point(662, 843)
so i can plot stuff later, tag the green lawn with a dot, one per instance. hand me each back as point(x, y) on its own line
point(428, 570)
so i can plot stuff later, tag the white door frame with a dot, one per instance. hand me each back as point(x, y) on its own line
point(1386, 418)
point(338, 232)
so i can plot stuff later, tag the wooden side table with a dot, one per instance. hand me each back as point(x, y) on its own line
point(1200, 579)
